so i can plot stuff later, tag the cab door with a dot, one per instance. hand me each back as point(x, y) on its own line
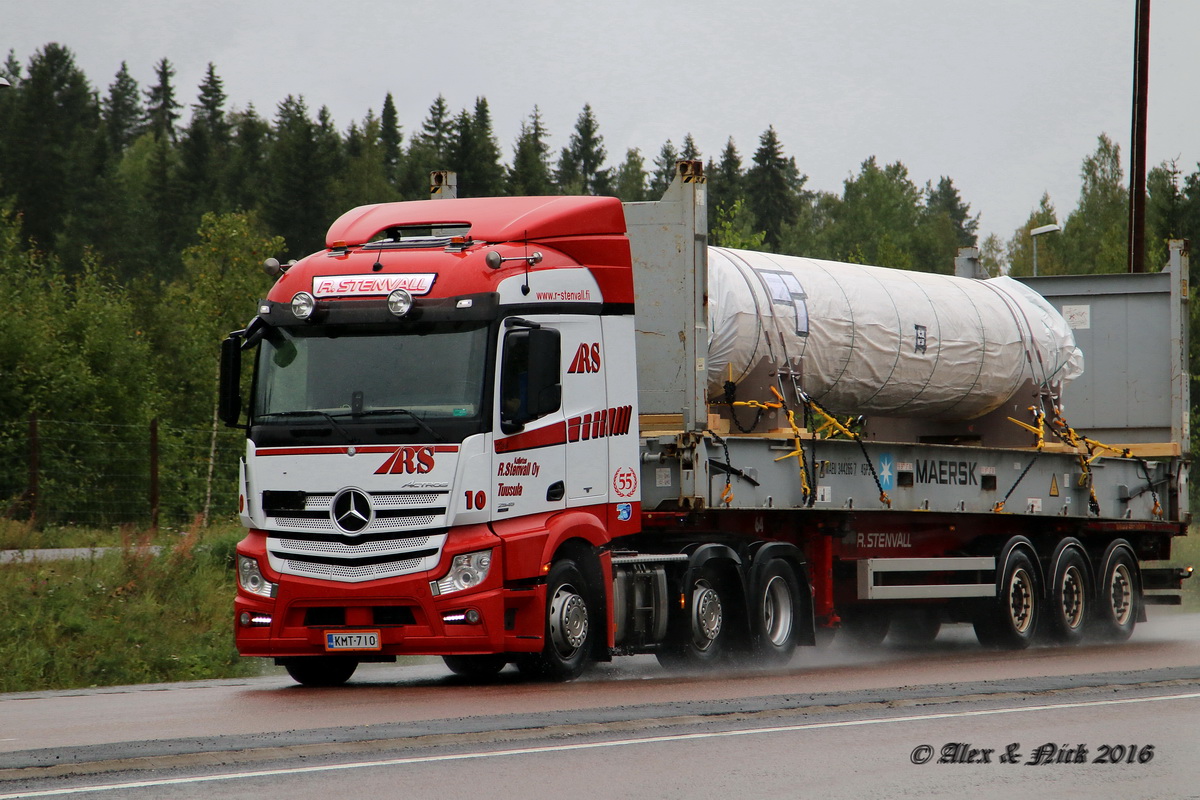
point(585, 405)
point(530, 430)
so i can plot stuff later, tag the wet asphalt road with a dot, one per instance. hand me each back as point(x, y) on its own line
point(844, 721)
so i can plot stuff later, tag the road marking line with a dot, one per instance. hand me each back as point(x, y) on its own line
point(521, 751)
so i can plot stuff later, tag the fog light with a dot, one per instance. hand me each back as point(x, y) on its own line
point(303, 305)
point(472, 616)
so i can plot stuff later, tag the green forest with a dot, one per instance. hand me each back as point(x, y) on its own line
point(133, 220)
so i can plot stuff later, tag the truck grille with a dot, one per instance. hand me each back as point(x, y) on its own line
point(303, 537)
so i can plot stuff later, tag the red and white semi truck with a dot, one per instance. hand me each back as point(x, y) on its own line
point(552, 430)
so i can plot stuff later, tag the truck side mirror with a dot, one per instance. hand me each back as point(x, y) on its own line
point(530, 386)
point(229, 396)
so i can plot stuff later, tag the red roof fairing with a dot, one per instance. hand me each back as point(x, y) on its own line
point(569, 231)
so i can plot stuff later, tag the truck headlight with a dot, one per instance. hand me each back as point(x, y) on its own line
point(466, 571)
point(251, 579)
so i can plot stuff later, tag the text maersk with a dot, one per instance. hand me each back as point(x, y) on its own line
point(959, 473)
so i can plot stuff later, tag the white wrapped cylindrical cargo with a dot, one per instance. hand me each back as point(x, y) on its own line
point(870, 340)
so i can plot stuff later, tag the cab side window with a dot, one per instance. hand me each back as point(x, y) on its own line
point(530, 381)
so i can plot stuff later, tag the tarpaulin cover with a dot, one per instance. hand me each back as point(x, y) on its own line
point(869, 340)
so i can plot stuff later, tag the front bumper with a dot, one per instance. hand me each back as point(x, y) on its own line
point(409, 618)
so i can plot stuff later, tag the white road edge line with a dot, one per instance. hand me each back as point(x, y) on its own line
point(394, 762)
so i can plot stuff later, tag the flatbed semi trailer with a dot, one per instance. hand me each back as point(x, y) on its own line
point(553, 430)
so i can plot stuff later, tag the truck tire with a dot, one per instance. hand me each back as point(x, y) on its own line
point(1010, 621)
point(774, 614)
point(1069, 601)
point(697, 636)
point(321, 670)
point(915, 627)
point(865, 627)
point(569, 630)
point(1118, 594)
point(476, 666)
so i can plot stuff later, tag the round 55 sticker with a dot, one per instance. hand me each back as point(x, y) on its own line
point(625, 482)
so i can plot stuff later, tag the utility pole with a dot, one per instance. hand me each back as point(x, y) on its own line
point(1137, 157)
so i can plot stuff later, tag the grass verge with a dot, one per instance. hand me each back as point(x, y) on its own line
point(125, 617)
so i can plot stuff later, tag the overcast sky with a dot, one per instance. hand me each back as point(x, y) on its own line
point(1004, 96)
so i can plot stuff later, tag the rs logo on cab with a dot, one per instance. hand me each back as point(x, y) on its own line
point(408, 460)
point(587, 358)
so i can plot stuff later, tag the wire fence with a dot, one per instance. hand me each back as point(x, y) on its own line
point(60, 472)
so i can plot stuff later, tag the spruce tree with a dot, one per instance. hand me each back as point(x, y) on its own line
point(488, 177)
point(244, 174)
point(581, 165)
point(363, 179)
point(944, 199)
point(474, 153)
point(773, 186)
point(209, 111)
point(689, 151)
point(50, 127)
point(726, 181)
point(428, 150)
point(530, 173)
point(204, 148)
point(664, 169)
point(296, 203)
point(390, 139)
point(122, 111)
point(631, 177)
point(162, 109)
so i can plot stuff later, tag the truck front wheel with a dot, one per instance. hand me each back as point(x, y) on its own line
point(321, 670)
point(569, 630)
point(476, 666)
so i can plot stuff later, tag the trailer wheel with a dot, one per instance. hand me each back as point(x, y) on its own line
point(774, 615)
point(1118, 594)
point(1010, 622)
point(697, 637)
point(476, 666)
point(1070, 597)
point(321, 670)
point(569, 632)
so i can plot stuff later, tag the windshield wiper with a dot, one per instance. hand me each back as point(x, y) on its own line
point(311, 412)
point(383, 412)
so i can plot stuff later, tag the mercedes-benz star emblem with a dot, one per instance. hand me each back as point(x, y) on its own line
point(351, 511)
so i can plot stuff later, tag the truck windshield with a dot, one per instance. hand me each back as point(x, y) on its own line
point(363, 385)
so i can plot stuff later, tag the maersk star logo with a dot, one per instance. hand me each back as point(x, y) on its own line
point(886, 478)
point(351, 510)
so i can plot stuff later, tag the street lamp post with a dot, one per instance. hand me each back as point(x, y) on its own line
point(1036, 232)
